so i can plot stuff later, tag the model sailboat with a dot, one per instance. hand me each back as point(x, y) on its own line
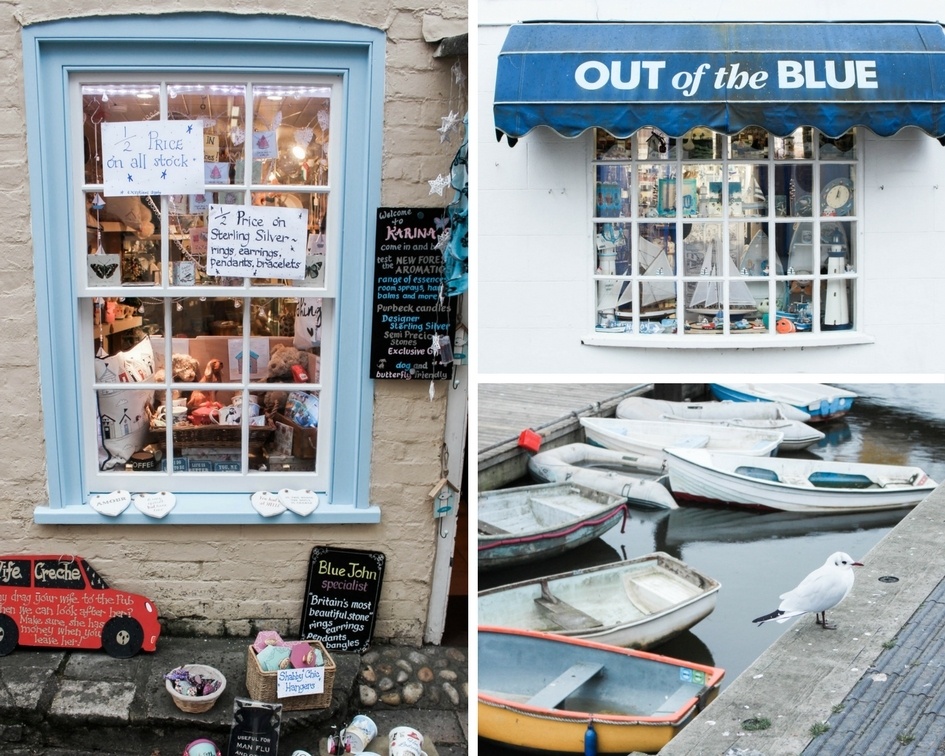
point(658, 297)
point(707, 296)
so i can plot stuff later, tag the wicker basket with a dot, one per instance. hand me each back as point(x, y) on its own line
point(212, 436)
point(262, 686)
point(197, 704)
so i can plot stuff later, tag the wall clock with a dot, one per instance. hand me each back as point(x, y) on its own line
point(837, 197)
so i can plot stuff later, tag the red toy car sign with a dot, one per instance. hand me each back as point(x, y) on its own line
point(61, 602)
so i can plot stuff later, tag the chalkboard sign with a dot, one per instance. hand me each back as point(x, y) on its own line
point(341, 595)
point(255, 728)
point(412, 313)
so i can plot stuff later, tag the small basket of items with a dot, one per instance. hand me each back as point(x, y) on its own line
point(195, 688)
point(270, 654)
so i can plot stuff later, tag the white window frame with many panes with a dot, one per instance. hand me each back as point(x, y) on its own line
point(68, 57)
point(803, 186)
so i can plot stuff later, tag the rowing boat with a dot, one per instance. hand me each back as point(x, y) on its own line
point(794, 485)
point(539, 691)
point(528, 523)
point(635, 603)
point(638, 479)
point(653, 437)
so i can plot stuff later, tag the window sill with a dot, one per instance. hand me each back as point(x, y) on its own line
point(735, 341)
point(191, 509)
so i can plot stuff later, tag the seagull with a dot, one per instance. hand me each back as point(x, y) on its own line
point(823, 589)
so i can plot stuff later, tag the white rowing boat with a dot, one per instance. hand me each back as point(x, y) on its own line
point(794, 485)
point(652, 437)
point(635, 603)
point(638, 479)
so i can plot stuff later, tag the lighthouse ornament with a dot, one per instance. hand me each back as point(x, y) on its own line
point(836, 299)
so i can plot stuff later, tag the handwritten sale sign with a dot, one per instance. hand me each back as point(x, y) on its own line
point(306, 681)
point(256, 242)
point(152, 157)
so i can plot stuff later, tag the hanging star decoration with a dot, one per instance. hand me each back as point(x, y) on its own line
point(450, 123)
point(439, 184)
point(458, 76)
point(443, 240)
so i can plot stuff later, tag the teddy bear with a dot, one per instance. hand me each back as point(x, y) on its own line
point(212, 373)
point(286, 365)
point(184, 369)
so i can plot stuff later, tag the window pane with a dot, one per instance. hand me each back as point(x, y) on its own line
point(796, 146)
point(751, 143)
point(611, 148)
point(221, 108)
point(290, 135)
point(748, 187)
point(837, 194)
point(187, 237)
point(840, 148)
point(613, 196)
point(113, 102)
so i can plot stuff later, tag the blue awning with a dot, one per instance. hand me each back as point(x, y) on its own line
point(726, 77)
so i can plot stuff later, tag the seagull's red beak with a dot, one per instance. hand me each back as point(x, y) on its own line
point(856, 564)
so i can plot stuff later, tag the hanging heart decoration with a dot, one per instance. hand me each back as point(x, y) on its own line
point(303, 503)
point(304, 136)
point(322, 117)
point(237, 135)
point(156, 505)
point(111, 504)
point(267, 504)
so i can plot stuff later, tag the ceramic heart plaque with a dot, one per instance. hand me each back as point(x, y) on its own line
point(267, 503)
point(301, 502)
point(155, 505)
point(111, 504)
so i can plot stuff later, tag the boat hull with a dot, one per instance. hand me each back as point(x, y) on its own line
point(638, 700)
point(821, 402)
point(640, 480)
point(644, 408)
point(527, 524)
point(786, 484)
point(653, 437)
point(636, 603)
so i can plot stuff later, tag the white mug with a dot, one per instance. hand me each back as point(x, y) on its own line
point(160, 415)
point(228, 415)
point(359, 733)
point(406, 741)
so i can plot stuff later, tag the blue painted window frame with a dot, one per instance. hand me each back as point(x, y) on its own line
point(201, 43)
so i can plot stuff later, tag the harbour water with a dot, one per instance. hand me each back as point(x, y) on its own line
point(757, 556)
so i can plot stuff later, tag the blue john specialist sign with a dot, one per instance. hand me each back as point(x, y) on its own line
point(257, 242)
point(152, 157)
point(341, 597)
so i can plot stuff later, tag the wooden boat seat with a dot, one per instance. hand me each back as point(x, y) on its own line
point(761, 473)
point(487, 528)
point(675, 702)
point(564, 615)
point(554, 693)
